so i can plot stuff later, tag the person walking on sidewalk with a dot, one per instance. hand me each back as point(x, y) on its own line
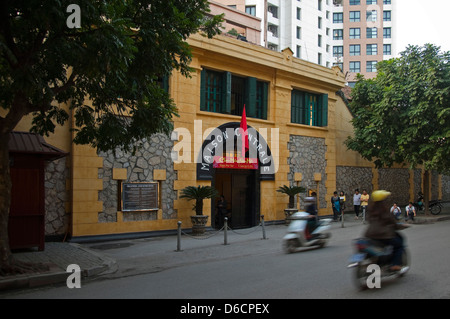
point(356, 203)
point(364, 202)
point(335, 204)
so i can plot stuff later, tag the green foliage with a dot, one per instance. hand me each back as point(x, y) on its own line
point(198, 194)
point(115, 60)
point(291, 191)
point(403, 115)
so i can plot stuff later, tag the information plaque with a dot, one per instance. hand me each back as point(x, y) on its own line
point(139, 197)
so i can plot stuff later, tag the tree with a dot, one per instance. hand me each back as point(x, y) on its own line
point(115, 59)
point(403, 114)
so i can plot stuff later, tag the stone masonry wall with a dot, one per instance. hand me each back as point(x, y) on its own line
point(395, 180)
point(307, 156)
point(350, 178)
point(154, 154)
point(56, 196)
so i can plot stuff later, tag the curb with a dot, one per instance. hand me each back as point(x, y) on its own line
point(56, 274)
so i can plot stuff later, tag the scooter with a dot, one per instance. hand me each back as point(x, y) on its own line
point(299, 235)
point(371, 252)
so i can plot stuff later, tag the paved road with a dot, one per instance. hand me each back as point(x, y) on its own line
point(262, 270)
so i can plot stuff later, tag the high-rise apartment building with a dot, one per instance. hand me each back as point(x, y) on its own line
point(362, 35)
point(354, 34)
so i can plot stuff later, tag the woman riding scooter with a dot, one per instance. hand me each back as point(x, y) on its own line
point(382, 226)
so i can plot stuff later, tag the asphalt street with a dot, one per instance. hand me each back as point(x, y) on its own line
point(257, 268)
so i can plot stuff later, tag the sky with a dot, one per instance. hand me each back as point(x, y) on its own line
point(419, 22)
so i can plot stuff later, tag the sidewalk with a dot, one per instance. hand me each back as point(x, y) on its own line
point(113, 259)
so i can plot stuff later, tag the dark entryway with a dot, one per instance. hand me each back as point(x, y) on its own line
point(241, 189)
point(29, 154)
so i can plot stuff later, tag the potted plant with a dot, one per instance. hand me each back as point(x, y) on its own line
point(291, 191)
point(198, 194)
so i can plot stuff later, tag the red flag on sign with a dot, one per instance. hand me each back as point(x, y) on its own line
point(244, 133)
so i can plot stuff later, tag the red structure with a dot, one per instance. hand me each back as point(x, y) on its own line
point(29, 154)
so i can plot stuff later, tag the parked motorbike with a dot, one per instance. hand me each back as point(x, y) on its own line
point(372, 252)
point(435, 206)
point(299, 233)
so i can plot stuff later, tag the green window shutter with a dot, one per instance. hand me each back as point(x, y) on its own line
point(305, 110)
point(226, 93)
point(203, 90)
point(250, 99)
point(264, 100)
point(323, 106)
point(164, 83)
point(294, 109)
point(297, 111)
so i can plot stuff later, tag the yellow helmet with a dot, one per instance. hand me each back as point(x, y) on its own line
point(380, 195)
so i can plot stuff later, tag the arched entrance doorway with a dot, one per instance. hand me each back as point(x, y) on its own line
point(241, 189)
point(237, 178)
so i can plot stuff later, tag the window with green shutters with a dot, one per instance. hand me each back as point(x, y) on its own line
point(222, 92)
point(309, 109)
point(211, 87)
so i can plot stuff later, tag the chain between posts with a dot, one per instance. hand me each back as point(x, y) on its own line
point(225, 228)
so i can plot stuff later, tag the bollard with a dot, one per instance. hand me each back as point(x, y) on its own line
point(225, 229)
point(263, 228)
point(342, 219)
point(179, 237)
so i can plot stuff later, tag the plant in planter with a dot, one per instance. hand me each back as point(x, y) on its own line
point(198, 194)
point(291, 191)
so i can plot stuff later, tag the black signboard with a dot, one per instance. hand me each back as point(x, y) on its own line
point(139, 197)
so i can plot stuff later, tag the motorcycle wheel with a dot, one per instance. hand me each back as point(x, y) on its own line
point(361, 276)
point(405, 261)
point(435, 209)
point(290, 246)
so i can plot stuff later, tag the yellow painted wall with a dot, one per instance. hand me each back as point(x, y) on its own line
point(280, 69)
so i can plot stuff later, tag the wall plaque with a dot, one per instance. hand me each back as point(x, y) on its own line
point(139, 197)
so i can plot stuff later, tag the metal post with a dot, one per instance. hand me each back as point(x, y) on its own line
point(225, 229)
point(263, 228)
point(342, 219)
point(179, 237)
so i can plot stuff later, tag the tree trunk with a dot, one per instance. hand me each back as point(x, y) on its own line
point(5, 201)
point(426, 192)
point(291, 201)
point(199, 207)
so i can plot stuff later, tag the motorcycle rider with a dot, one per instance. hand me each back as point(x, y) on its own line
point(311, 209)
point(382, 226)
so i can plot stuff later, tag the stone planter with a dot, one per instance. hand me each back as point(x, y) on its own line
point(288, 213)
point(199, 224)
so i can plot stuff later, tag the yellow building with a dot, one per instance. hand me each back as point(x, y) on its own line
point(297, 125)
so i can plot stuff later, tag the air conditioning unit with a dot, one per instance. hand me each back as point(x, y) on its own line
point(337, 2)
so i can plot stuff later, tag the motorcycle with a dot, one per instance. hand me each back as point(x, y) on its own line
point(435, 206)
point(299, 232)
point(371, 252)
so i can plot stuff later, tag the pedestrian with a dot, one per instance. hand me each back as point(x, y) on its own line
point(341, 204)
point(335, 204)
point(396, 211)
point(410, 211)
point(364, 202)
point(356, 203)
point(222, 209)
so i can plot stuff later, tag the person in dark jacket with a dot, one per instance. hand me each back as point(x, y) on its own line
point(383, 225)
